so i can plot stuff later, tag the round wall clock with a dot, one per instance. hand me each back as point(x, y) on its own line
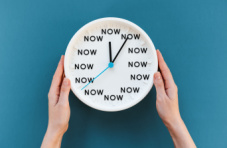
point(110, 63)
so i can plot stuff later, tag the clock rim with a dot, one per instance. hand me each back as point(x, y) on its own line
point(132, 103)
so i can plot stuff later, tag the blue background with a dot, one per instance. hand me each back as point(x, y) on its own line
point(191, 34)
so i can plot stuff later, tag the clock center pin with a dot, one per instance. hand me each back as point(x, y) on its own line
point(111, 65)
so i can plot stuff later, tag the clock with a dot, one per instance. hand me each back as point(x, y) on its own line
point(110, 63)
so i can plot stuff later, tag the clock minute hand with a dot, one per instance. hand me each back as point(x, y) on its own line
point(120, 50)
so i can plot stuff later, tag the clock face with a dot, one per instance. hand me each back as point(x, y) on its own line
point(110, 63)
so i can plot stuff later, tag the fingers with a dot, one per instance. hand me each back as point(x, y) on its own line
point(64, 93)
point(57, 80)
point(167, 76)
point(159, 84)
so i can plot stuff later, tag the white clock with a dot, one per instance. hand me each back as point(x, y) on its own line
point(110, 63)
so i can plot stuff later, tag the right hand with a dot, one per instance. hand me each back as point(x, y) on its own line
point(167, 95)
point(167, 106)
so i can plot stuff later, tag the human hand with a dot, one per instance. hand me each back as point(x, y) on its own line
point(167, 106)
point(167, 95)
point(59, 110)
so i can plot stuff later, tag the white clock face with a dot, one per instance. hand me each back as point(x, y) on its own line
point(110, 63)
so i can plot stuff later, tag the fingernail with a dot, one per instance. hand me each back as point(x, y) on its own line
point(157, 76)
point(65, 82)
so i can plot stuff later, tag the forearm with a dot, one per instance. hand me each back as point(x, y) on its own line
point(180, 135)
point(52, 140)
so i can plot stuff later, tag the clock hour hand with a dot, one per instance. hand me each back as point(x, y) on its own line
point(120, 49)
point(110, 51)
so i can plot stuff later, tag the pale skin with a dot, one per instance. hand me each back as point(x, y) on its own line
point(166, 104)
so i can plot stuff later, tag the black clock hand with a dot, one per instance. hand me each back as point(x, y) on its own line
point(110, 52)
point(120, 49)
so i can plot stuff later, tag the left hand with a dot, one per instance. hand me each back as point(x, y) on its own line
point(59, 110)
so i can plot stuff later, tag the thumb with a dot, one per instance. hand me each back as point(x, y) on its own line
point(65, 89)
point(159, 84)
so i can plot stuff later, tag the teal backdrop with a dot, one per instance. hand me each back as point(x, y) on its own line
point(191, 34)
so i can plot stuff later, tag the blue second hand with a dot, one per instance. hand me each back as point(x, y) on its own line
point(95, 77)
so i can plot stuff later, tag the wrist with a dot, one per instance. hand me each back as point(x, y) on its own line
point(52, 138)
point(179, 133)
point(54, 132)
point(56, 129)
point(174, 123)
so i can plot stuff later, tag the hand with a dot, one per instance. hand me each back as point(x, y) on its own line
point(167, 95)
point(59, 110)
point(167, 106)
